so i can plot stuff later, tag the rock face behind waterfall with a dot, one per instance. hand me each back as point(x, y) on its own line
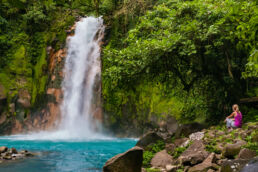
point(130, 161)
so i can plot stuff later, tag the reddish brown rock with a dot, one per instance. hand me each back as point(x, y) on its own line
point(130, 161)
point(24, 98)
point(161, 159)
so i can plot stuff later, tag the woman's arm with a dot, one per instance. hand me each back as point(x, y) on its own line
point(231, 115)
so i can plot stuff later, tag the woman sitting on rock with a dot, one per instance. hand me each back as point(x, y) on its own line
point(235, 119)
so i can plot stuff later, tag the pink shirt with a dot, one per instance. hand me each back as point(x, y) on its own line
point(238, 119)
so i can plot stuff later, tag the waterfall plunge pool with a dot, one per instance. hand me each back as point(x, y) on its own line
point(63, 155)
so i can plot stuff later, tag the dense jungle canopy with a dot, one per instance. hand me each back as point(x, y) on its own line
point(160, 58)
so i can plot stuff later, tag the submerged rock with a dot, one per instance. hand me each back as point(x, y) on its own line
point(130, 161)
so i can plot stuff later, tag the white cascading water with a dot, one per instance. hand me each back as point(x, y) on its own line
point(82, 66)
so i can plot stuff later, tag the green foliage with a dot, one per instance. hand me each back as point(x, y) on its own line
point(194, 50)
point(252, 66)
point(152, 170)
point(147, 156)
point(250, 143)
point(178, 151)
point(211, 147)
point(151, 151)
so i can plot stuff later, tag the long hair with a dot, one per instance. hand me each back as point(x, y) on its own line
point(235, 108)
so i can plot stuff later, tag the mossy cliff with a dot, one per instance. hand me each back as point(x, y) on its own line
point(31, 33)
point(187, 59)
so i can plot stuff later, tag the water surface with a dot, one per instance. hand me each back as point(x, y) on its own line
point(64, 155)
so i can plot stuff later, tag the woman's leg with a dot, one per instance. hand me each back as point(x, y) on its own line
point(229, 122)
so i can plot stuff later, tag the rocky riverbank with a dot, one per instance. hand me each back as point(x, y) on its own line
point(8, 154)
point(212, 149)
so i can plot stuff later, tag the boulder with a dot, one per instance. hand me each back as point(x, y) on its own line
point(246, 154)
point(230, 150)
point(196, 136)
point(233, 165)
point(251, 166)
point(3, 149)
point(161, 159)
point(205, 165)
point(194, 154)
point(187, 129)
point(130, 161)
point(148, 139)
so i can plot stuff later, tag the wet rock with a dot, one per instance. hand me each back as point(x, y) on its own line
point(7, 157)
point(130, 161)
point(148, 139)
point(196, 136)
point(205, 165)
point(161, 159)
point(12, 151)
point(251, 166)
point(23, 151)
point(233, 165)
point(194, 154)
point(3, 149)
point(246, 154)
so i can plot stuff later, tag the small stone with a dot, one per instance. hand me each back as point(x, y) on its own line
point(8, 157)
point(23, 151)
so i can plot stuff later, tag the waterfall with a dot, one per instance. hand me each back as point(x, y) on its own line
point(82, 69)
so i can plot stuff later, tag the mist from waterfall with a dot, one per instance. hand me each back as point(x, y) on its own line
point(82, 67)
